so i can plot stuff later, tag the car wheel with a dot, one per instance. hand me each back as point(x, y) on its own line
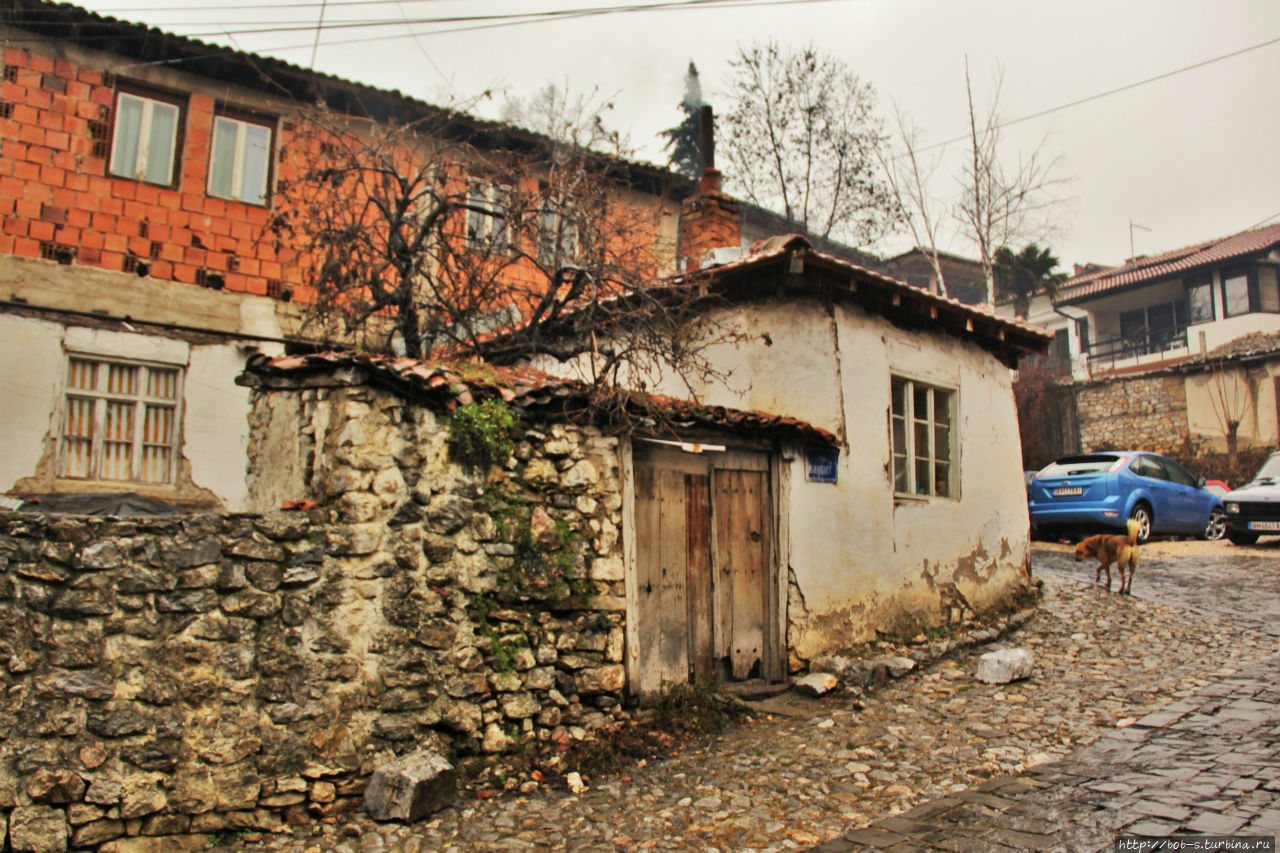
point(1241, 537)
point(1142, 514)
point(1217, 526)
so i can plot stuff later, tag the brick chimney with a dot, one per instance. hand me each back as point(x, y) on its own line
point(710, 219)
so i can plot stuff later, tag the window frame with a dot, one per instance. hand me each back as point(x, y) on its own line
point(150, 97)
point(489, 230)
point(271, 125)
point(142, 402)
point(910, 457)
point(1200, 282)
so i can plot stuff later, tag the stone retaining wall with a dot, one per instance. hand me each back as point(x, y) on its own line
point(204, 673)
point(1147, 412)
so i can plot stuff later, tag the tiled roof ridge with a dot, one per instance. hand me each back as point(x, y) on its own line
point(1174, 260)
point(458, 383)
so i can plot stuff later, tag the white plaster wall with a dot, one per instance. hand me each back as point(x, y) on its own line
point(1259, 426)
point(31, 351)
point(216, 423)
point(215, 410)
point(862, 561)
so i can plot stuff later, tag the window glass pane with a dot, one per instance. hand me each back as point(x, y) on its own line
point(922, 476)
point(222, 157)
point(922, 439)
point(164, 134)
point(1268, 288)
point(257, 154)
point(1236, 298)
point(942, 479)
point(942, 443)
point(899, 395)
point(124, 144)
point(900, 436)
point(1201, 298)
point(122, 379)
point(82, 375)
point(1160, 317)
point(162, 383)
point(942, 406)
point(920, 402)
point(77, 437)
point(900, 474)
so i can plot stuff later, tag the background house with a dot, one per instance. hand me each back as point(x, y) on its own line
point(1154, 347)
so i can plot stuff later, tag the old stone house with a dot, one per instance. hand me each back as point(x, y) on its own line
point(925, 497)
point(1144, 347)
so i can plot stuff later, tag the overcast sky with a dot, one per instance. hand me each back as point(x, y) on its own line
point(1192, 156)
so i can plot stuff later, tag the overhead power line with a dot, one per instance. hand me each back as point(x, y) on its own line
point(1109, 92)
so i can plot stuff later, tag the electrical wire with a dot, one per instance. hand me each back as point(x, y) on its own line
point(1107, 93)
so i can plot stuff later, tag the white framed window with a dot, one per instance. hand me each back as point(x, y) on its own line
point(120, 420)
point(240, 160)
point(922, 419)
point(558, 238)
point(144, 138)
point(487, 225)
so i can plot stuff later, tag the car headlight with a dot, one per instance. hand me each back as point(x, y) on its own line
point(1233, 508)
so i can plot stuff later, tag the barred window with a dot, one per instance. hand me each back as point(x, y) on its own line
point(921, 420)
point(120, 421)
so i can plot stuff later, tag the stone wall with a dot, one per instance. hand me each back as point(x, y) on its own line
point(1146, 412)
point(203, 673)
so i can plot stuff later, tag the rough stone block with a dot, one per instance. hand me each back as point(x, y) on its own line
point(411, 787)
point(1005, 665)
point(37, 829)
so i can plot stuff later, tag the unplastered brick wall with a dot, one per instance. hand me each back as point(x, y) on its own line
point(1143, 412)
point(196, 674)
point(59, 202)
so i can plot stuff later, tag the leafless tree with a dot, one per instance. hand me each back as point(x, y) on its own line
point(1001, 203)
point(802, 137)
point(909, 173)
point(574, 118)
point(1232, 394)
point(415, 237)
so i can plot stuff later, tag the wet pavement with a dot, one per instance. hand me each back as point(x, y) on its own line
point(1141, 713)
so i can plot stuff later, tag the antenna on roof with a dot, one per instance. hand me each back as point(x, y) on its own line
point(1133, 225)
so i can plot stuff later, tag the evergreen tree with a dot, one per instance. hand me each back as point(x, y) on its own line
point(682, 140)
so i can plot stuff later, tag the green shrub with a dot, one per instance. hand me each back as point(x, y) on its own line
point(480, 433)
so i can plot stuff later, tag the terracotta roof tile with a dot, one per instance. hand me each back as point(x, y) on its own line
point(1241, 245)
point(451, 384)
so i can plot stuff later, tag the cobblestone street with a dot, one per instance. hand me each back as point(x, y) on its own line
point(1206, 764)
point(807, 771)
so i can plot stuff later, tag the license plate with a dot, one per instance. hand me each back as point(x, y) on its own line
point(1068, 492)
point(1264, 525)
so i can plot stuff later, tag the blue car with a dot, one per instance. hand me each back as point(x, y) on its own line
point(1101, 491)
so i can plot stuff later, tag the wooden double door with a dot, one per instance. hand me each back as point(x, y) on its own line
point(706, 577)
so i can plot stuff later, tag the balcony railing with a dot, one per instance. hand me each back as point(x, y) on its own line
point(1108, 351)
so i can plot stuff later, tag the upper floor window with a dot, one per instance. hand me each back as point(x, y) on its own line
point(120, 420)
point(1250, 289)
point(144, 139)
point(921, 418)
point(240, 160)
point(1200, 299)
point(487, 212)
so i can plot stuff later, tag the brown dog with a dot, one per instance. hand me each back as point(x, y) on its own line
point(1113, 548)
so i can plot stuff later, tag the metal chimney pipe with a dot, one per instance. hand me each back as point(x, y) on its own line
point(707, 137)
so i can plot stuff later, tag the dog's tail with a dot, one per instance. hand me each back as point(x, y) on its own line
point(1134, 529)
